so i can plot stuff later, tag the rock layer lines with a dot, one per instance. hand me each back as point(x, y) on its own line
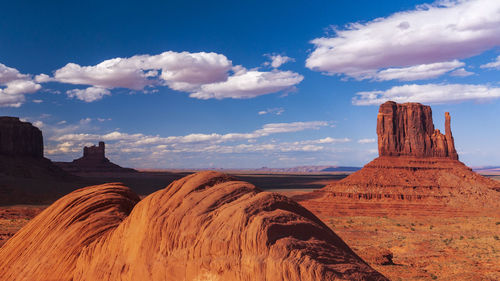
point(206, 226)
point(408, 130)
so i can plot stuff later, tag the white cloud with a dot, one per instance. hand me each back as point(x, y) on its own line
point(249, 84)
point(203, 75)
point(179, 70)
point(14, 85)
point(88, 95)
point(276, 111)
point(278, 60)
point(417, 72)
point(43, 78)
point(493, 64)
point(365, 141)
point(266, 130)
point(37, 101)
point(436, 33)
point(429, 93)
point(461, 72)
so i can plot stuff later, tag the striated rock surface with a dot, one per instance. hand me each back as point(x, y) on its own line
point(206, 226)
point(47, 248)
point(93, 161)
point(19, 138)
point(408, 130)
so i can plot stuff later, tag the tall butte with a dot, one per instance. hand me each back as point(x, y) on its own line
point(417, 168)
point(407, 130)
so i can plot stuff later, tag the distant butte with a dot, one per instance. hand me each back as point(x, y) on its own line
point(417, 167)
point(93, 161)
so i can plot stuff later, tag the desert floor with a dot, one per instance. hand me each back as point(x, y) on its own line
point(424, 247)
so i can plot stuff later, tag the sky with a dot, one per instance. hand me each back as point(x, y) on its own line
point(247, 84)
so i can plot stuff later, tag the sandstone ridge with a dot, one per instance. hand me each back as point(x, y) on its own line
point(206, 226)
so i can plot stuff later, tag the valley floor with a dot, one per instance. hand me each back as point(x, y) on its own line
point(425, 246)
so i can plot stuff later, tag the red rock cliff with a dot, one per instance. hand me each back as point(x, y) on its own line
point(19, 138)
point(407, 130)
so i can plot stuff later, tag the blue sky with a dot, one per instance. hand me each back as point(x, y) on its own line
point(245, 84)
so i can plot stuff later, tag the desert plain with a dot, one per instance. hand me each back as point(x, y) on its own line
point(400, 245)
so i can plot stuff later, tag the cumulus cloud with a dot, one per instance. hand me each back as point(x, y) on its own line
point(88, 95)
point(435, 33)
point(249, 84)
point(278, 60)
point(203, 75)
point(14, 86)
point(179, 70)
point(429, 93)
point(493, 64)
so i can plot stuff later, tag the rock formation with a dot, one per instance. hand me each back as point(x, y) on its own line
point(407, 130)
point(417, 167)
point(23, 169)
point(206, 226)
point(19, 138)
point(93, 161)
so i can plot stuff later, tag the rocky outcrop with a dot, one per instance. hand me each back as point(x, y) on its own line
point(25, 175)
point(48, 247)
point(19, 138)
point(93, 161)
point(408, 130)
point(417, 169)
point(206, 226)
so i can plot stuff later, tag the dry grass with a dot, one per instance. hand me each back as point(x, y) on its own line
point(427, 248)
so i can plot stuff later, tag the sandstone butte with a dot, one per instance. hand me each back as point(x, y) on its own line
point(21, 151)
point(93, 161)
point(417, 165)
point(206, 226)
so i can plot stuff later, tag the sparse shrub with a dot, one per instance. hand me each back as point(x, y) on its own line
point(412, 229)
point(461, 237)
point(497, 223)
point(398, 224)
point(431, 227)
point(434, 277)
point(496, 237)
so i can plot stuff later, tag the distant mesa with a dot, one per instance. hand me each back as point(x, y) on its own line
point(93, 161)
point(23, 168)
point(20, 139)
point(417, 164)
point(206, 226)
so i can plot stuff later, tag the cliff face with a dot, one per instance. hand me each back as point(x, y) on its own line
point(19, 138)
point(408, 130)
